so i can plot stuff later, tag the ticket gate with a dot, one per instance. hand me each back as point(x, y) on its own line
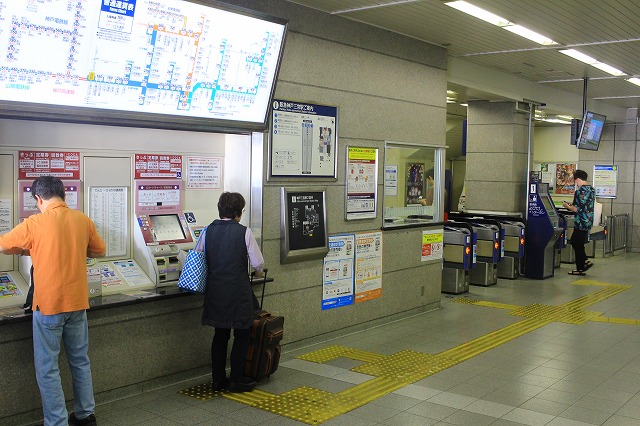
point(563, 239)
point(459, 257)
point(488, 250)
point(513, 249)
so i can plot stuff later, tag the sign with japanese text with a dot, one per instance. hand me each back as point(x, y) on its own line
point(159, 166)
point(61, 164)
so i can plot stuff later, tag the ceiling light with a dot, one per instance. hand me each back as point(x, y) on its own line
point(592, 61)
point(634, 80)
point(464, 105)
point(479, 13)
point(501, 22)
point(528, 34)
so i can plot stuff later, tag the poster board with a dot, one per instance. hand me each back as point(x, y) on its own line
point(304, 140)
point(605, 180)
point(338, 272)
point(303, 225)
point(362, 183)
point(109, 210)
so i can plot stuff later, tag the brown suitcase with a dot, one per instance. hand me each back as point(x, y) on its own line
point(266, 333)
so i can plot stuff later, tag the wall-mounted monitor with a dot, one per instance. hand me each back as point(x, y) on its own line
point(591, 131)
point(147, 63)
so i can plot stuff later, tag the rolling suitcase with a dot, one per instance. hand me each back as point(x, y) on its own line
point(265, 335)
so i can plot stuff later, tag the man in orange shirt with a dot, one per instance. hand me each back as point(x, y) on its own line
point(59, 241)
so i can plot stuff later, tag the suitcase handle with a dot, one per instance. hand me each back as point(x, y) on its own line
point(264, 277)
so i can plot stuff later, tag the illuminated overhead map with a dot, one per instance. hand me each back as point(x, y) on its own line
point(163, 56)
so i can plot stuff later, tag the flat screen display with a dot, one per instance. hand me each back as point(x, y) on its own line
point(166, 227)
point(591, 131)
point(147, 63)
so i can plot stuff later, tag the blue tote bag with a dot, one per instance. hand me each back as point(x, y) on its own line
point(194, 271)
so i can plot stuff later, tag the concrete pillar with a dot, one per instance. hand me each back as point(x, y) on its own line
point(497, 141)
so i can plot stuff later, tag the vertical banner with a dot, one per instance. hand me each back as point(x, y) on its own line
point(368, 266)
point(605, 181)
point(564, 178)
point(432, 244)
point(337, 280)
point(390, 180)
point(362, 182)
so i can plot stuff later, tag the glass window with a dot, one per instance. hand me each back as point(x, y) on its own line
point(413, 188)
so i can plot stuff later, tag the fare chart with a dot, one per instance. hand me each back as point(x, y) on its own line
point(163, 56)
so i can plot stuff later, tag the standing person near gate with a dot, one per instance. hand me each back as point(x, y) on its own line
point(229, 300)
point(59, 241)
point(583, 205)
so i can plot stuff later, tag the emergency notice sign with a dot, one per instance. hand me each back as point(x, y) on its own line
point(61, 164)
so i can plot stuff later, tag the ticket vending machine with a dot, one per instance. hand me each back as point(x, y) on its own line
point(162, 229)
point(542, 231)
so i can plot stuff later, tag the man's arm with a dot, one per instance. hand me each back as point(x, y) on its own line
point(13, 250)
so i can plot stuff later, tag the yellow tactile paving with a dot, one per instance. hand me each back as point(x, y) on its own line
point(392, 372)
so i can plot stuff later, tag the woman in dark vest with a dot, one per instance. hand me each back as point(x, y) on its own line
point(229, 300)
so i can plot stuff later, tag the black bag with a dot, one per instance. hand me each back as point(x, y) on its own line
point(265, 336)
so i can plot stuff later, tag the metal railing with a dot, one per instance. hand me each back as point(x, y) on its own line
point(617, 228)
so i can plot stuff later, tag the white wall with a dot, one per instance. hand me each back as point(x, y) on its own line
point(552, 145)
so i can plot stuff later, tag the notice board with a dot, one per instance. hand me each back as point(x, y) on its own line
point(304, 225)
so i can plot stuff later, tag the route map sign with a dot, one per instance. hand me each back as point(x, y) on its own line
point(168, 57)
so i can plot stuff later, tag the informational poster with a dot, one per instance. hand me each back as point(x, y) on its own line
point(304, 139)
point(432, 244)
point(362, 183)
point(61, 164)
point(564, 178)
point(204, 172)
point(605, 181)
point(337, 280)
point(368, 283)
point(303, 225)
point(8, 288)
point(131, 273)
point(158, 166)
point(415, 183)
point(6, 217)
point(108, 207)
point(548, 173)
point(390, 180)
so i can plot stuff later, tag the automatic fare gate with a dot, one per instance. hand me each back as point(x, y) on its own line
point(459, 257)
point(489, 250)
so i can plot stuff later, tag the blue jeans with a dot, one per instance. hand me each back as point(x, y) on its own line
point(48, 331)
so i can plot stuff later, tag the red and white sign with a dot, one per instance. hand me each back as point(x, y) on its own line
point(33, 164)
point(161, 166)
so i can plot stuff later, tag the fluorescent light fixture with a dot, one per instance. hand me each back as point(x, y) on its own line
point(592, 61)
point(464, 105)
point(634, 80)
point(528, 34)
point(501, 22)
point(479, 13)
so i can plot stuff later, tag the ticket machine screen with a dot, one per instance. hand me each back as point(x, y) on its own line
point(167, 227)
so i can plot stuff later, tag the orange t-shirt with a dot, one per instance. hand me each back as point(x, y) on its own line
point(59, 240)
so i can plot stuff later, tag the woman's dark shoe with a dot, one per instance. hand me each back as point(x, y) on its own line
point(87, 421)
point(220, 386)
point(243, 384)
point(587, 265)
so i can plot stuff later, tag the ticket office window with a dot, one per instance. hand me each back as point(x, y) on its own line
point(413, 184)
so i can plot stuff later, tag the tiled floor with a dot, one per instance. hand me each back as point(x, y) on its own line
point(558, 374)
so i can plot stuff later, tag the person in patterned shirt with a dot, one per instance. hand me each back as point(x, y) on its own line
point(583, 204)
